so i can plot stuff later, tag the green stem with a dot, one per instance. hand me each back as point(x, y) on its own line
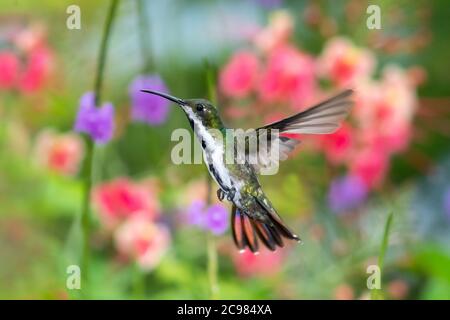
point(90, 148)
point(144, 35)
point(213, 265)
point(85, 218)
point(211, 83)
point(102, 54)
point(5, 117)
point(138, 282)
point(212, 253)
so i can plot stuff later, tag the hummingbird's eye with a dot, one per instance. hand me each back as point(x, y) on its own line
point(200, 107)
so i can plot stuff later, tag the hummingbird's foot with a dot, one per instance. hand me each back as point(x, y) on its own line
point(230, 194)
point(220, 194)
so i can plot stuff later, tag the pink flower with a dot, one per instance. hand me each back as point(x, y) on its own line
point(344, 63)
point(31, 37)
point(276, 33)
point(338, 146)
point(398, 96)
point(121, 198)
point(61, 153)
point(239, 76)
point(266, 263)
point(390, 141)
point(288, 77)
point(385, 110)
point(37, 70)
point(370, 164)
point(9, 69)
point(143, 241)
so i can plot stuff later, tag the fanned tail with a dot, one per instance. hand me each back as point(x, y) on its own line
point(247, 231)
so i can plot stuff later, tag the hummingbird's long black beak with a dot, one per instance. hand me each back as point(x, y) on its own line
point(167, 96)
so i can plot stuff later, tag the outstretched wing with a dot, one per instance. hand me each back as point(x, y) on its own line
point(322, 118)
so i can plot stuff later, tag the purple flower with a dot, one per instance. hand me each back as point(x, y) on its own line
point(446, 203)
point(213, 218)
point(148, 107)
point(96, 122)
point(216, 219)
point(195, 213)
point(346, 193)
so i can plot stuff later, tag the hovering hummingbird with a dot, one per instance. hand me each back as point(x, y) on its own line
point(253, 216)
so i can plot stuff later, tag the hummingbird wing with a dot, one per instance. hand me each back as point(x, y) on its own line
point(322, 118)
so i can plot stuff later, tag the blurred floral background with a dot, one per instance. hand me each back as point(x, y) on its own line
point(86, 176)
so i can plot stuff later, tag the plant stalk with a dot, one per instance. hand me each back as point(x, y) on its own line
point(90, 149)
point(144, 35)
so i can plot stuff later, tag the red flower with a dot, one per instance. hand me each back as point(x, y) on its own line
point(37, 70)
point(239, 76)
point(9, 69)
point(121, 198)
point(338, 146)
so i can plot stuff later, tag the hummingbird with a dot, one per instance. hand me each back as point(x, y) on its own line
point(253, 217)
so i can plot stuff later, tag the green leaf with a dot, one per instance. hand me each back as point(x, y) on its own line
point(377, 294)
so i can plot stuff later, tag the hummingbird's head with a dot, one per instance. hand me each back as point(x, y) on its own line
point(198, 111)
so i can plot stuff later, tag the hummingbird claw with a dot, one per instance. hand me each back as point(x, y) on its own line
point(220, 194)
point(231, 193)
